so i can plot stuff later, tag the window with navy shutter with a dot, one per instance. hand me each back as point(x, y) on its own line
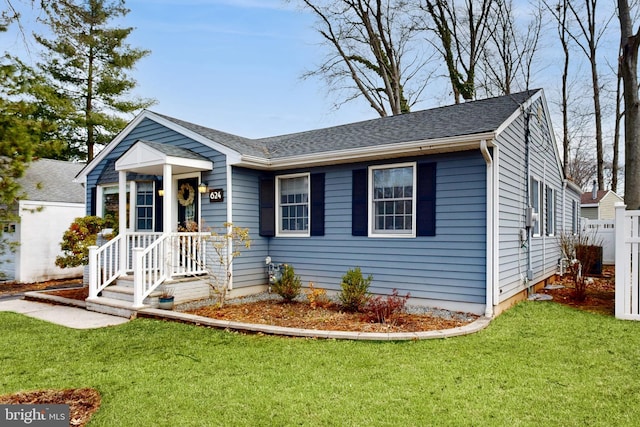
point(397, 200)
point(292, 205)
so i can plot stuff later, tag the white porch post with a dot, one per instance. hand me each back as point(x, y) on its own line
point(122, 219)
point(167, 208)
point(167, 214)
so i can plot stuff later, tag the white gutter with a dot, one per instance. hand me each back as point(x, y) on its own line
point(492, 237)
point(422, 147)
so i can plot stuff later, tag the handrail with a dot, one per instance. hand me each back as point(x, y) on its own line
point(104, 265)
point(171, 255)
point(149, 268)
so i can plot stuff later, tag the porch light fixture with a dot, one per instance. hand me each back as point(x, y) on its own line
point(202, 188)
point(161, 192)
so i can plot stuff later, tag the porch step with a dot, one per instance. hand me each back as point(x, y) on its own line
point(125, 293)
point(111, 306)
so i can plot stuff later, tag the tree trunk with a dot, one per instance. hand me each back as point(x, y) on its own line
point(616, 138)
point(629, 73)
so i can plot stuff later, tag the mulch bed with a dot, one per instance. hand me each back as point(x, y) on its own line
point(83, 402)
point(328, 317)
point(11, 288)
point(601, 296)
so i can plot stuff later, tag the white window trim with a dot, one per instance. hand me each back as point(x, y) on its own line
point(553, 212)
point(295, 233)
point(99, 201)
point(371, 209)
point(540, 208)
point(134, 203)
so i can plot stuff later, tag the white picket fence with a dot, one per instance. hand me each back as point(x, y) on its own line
point(627, 242)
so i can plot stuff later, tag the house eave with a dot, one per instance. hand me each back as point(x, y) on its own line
point(388, 151)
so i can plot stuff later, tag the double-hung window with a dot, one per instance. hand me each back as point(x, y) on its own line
point(144, 206)
point(292, 193)
point(392, 200)
point(536, 204)
point(550, 219)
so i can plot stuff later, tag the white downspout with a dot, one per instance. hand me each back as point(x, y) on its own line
point(230, 219)
point(491, 227)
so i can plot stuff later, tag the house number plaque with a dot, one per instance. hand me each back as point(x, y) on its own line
point(216, 195)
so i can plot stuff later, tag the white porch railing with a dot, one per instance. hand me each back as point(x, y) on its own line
point(172, 255)
point(627, 263)
point(152, 257)
point(104, 265)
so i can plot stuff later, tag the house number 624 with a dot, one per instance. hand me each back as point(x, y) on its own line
point(216, 195)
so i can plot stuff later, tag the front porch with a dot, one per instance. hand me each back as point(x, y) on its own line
point(125, 273)
point(158, 243)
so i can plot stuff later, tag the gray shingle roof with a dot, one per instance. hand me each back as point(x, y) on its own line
point(171, 150)
point(47, 180)
point(455, 120)
point(468, 118)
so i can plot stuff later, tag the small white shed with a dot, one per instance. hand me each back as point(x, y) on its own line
point(51, 204)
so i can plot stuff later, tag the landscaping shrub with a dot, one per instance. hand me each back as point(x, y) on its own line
point(289, 285)
point(355, 290)
point(82, 233)
point(381, 308)
point(578, 249)
point(317, 297)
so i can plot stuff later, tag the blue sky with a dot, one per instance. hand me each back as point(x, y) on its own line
point(236, 65)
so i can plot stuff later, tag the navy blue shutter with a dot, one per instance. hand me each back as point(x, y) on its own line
point(267, 207)
point(359, 203)
point(92, 201)
point(426, 212)
point(317, 204)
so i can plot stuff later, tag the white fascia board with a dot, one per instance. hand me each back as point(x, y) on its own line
point(538, 95)
point(575, 187)
point(412, 148)
point(232, 155)
point(82, 175)
point(203, 165)
point(589, 205)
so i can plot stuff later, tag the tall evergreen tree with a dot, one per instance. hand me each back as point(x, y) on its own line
point(89, 62)
point(21, 129)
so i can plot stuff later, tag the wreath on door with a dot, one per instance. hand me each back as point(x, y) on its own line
point(191, 194)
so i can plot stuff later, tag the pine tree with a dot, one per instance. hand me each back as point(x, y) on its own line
point(89, 61)
point(20, 132)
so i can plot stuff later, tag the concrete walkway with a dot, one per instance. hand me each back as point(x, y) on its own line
point(71, 317)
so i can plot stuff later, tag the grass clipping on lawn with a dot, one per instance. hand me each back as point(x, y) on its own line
point(83, 402)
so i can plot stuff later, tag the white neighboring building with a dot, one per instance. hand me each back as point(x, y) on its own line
point(51, 204)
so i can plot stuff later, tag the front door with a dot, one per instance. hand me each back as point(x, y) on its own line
point(188, 204)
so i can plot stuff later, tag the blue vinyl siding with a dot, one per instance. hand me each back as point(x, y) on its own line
point(249, 268)
point(544, 167)
point(449, 266)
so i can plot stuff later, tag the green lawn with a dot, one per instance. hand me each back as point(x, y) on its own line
point(537, 364)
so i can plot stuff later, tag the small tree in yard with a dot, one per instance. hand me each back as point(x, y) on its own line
point(578, 249)
point(355, 290)
point(289, 284)
point(226, 244)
